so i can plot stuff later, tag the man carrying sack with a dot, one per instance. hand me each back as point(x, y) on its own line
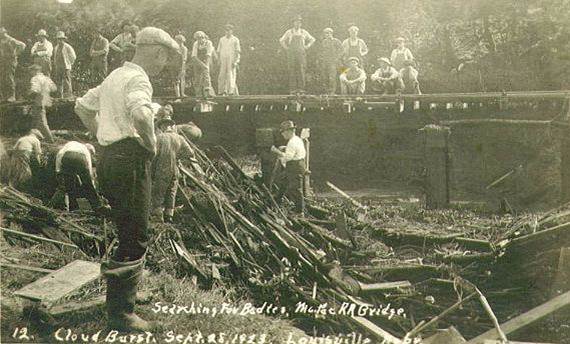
point(119, 113)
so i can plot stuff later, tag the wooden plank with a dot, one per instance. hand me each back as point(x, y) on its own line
point(27, 268)
point(386, 336)
point(510, 342)
point(73, 306)
point(384, 286)
point(447, 336)
point(62, 282)
point(525, 318)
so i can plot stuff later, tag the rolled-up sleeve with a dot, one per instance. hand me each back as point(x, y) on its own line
point(90, 101)
point(138, 93)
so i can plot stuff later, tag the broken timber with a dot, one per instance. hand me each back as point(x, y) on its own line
point(60, 283)
point(525, 318)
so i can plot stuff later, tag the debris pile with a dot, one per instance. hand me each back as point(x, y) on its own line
point(231, 230)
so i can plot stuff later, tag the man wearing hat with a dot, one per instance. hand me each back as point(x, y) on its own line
point(10, 48)
point(24, 160)
point(400, 54)
point(229, 51)
point(409, 77)
point(98, 52)
point(75, 175)
point(63, 60)
point(292, 157)
point(122, 44)
point(170, 147)
point(42, 52)
point(353, 79)
point(180, 84)
point(119, 113)
point(202, 54)
point(331, 54)
point(386, 79)
point(296, 41)
point(354, 46)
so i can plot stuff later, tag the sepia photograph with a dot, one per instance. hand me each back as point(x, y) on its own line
point(285, 171)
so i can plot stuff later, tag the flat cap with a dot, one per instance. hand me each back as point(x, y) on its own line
point(155, 36)
point(286, 125)
point(328, 29)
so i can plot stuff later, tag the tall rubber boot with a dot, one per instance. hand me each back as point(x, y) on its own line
point(122, 281)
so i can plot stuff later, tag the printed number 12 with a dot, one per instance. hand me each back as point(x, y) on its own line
point(21, 333)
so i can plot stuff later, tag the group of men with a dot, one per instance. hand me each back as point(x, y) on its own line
point(137, 165)
point(341, 63)
point(55, 62)
point(344, 62)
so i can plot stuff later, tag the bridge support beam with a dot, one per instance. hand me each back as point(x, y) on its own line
point(436, 163)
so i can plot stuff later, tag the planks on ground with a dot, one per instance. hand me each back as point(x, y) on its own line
point(364, 288)
point(525, 318)
point(60, 283)
point(386, 336)
point(447, 336)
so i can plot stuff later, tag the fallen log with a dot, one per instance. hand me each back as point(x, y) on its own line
point(367, 288)
point(345, 195)
point(384, 335)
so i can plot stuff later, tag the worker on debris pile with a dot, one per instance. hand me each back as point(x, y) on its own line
point(23, 161)
point(118, 111)
point(40, 88)
point(170, 146)
point(75, 176)
point(292, 157)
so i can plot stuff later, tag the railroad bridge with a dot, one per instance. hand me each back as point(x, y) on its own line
point(463, 147)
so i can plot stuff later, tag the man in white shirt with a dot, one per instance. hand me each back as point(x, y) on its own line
point(292, 157)
point(74, 171)
point(119, 113)
point(42, 52)
point(24, 159)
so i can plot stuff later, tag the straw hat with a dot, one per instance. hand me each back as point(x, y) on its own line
point(42, 33)
point(385, 60)
point(60, 35)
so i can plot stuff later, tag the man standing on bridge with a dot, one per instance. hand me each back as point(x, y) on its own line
point(296, 41)
point(119, 113)
point(10, 48)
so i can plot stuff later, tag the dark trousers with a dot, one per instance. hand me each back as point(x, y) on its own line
point(7, 81)
point(125, 180)
point(98, 68)
point(75, 180)
point(39, 121)
point(329, 76)
point(297, 64)
point(62, 78)
point(292, 186)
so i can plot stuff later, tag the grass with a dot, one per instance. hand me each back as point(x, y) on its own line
point(161, 287)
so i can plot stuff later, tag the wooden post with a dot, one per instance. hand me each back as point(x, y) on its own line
point(436, 163)
point(563, 133)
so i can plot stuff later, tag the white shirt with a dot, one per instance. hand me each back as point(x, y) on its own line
point(288, 35)
point(43, 85)
point(73, 146)
point(29, 143)
point(125, 90)
point(47, 52)
point(295, 150)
